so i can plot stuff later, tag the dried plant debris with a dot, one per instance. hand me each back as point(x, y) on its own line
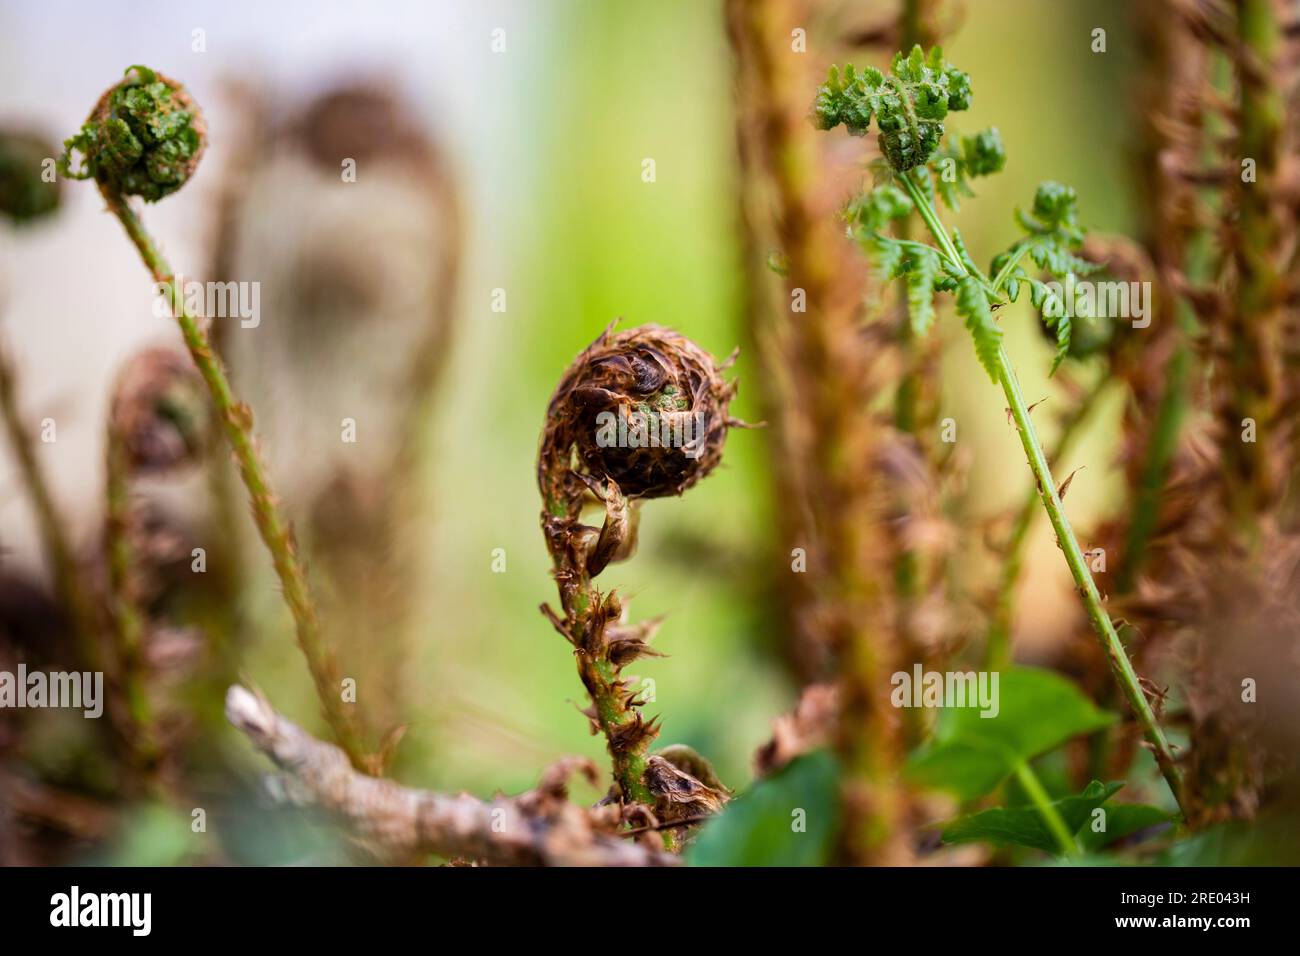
point(810, 726)
point(538, 828)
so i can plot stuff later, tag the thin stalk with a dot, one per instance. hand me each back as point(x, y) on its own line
point(54, 537)
point(237, 423)
point(998, 644)
point(1121, 666)
point(128, 620)
point(1043, 804)
point(580, 599)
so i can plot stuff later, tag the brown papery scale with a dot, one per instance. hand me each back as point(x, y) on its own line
point(652, 377)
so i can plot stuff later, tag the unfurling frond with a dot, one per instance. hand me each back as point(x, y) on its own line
point(1052, 234)
point(909, 104)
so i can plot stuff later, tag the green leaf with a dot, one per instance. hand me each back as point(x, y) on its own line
point(978, 155)
point(920, 291)
point(760, 827)
point(886, 257)
point(1060, 324)
point(1123, 819)
point(963, 253)
point(876, 209)
point(950, 176)
point(973, 306)
point(1052, 233)
point(1037, 711)
point(1024, 826)
point(983, 154)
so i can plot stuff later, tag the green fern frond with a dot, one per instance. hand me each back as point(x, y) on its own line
point(973, 306)
point(976, 156)
point(1052, 234)
point(909, 104)
point(921, 276)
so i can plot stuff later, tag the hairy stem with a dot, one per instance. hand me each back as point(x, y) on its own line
point(1254, 370)
point(824, 427)
point(1121, 666)
point(613, 713)
point(237, 423)
point(998, 649)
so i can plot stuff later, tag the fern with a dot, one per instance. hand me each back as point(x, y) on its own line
point(1052, 234)
point(973, 306)
point(908, 107)
point(923, 269)
point(978, 155)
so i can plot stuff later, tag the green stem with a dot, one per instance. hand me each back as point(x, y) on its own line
point(998, 644)
point(583, 625)
point(1030, 783)
point(237, 423)
point(1008, 268)
point(1121, 666)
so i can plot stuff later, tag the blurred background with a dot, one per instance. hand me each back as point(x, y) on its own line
point(542, 115)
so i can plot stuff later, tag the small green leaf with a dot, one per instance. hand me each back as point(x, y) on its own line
point(1023, 826)
point(963, 253)
point(983, 154)
point(886, 257)
point(876, 209)
point(1123, 819)
point(1037, 711)
point(920, 291)
point(787, 819)
point(973, 306)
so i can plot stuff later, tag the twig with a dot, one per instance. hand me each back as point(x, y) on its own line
point(538, 828)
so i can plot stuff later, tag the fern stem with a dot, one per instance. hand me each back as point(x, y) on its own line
point(998, 644)
point(1033, 787)
point(236, 422)
point(1121, 666)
